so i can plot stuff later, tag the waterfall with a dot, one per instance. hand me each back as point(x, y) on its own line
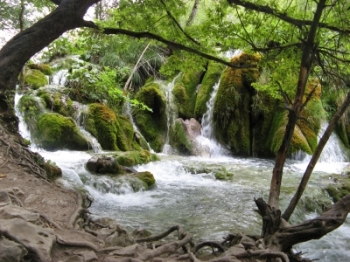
point(79, 117)
point(22, 126)
point(332, 152)
point(128, 112)
point(170, 113)
point(59, 77)
point(206, 142)
point(207, 119)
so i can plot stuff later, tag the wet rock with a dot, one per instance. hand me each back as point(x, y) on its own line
point(103, 165)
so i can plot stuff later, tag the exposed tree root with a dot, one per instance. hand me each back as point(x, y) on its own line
point(85, 244)
point(212, 244)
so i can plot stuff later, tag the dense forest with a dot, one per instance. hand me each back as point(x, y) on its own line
point(281, 68)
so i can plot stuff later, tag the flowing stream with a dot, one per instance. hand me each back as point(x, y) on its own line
point(187, 194)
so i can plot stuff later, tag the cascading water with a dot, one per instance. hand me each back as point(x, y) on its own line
point(80, 113)
point(332, 152)
point(170, 113)
point(128, 112)
point(206, 140)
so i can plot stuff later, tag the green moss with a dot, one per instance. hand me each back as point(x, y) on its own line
point(223, 174)
point(306, 129)
point(232, 108)
point(152, 125)
point(44, 68)
point(185, 93)
point(147, 178)
point(211, 77)
point(337, 192)
point(179, 139)
point(31, 108)
point(102, 123)
point(132, 158)
point(57, 132)
point(35, 78)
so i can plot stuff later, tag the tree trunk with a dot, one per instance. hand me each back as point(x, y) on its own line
point(68, 15)
point(305, 67)
point(303, 183)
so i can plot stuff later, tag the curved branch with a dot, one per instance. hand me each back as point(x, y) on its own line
point(174, 45)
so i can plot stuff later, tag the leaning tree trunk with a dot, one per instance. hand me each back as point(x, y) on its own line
point(68, 15)
point(305, 67)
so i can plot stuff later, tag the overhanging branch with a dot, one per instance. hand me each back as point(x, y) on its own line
point(174, 45)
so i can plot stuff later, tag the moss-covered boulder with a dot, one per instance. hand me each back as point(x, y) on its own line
point(44, 68)
point(53, 172)
point(308, 125)
point(211, 77)
point(31, 107)
point(58, 132)
point(153, 125)
point(232, 108)
point(147, 178)
point(185, 93)
point(56, 101)
point(132, 158)
point(113, 132)
point(34, 78)
point(104, 165)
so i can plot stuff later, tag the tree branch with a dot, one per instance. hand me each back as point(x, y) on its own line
point(177, 23)
point(283, 16)
point(174, 45)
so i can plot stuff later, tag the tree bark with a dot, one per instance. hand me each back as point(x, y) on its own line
point(305, 67)
point(68, 15)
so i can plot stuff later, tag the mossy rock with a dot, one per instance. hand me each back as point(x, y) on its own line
point(58, 132)
point(338, 192)
point(132, 158)
point(102, 123)
point(152, 125)
point(35, 78)
point(56, 102)
point(307, 127)
point(126, 138)
point(52, 171)
point(211, 77)
point(31, 107)
point(185, 93)
point(44, 68)
point(222, 174)
point(147, 178)
point(232, 108)
point(179, 139)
